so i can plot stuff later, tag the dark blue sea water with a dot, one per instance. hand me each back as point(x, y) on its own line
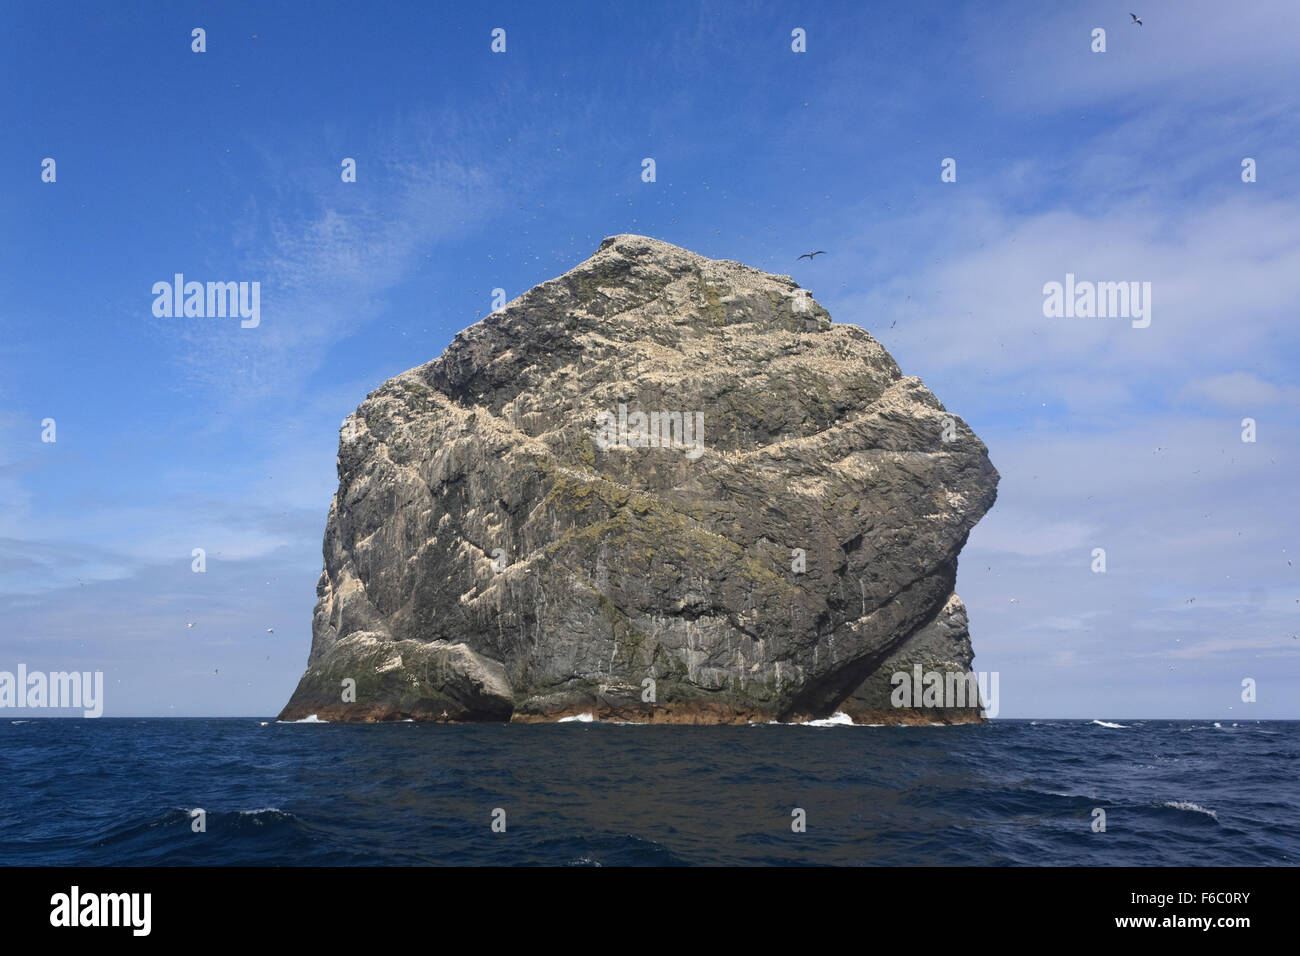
point(1010, 792)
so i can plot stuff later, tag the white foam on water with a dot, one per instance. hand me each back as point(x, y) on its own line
point(1188, 805)
point(309, 719)
point(1102, 723)
point(579, 718)
point(837, 719)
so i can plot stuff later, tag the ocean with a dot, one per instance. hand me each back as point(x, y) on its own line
point(1010, 792)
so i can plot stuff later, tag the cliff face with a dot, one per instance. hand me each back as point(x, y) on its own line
point(515, 536)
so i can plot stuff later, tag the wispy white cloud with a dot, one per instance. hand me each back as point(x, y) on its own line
point(1186, 49)
point(329, 254)
point(1240, 391)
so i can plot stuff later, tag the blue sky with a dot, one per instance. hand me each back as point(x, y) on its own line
point(479, 170)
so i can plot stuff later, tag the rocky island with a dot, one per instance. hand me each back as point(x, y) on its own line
point(658, 488)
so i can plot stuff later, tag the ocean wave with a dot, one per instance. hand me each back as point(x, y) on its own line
point(837, 719)
point(266, 815)
point(1103, 723)
point(1188, 805)
point(1218, 726)
point(309, 719)
point(183, 814)
point(149, 837)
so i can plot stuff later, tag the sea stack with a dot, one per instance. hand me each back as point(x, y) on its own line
point(658, 488)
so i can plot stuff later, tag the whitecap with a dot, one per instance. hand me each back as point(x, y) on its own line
point(1102, 723)
point(837, 719)
point(1188, 805)
point(309, 719)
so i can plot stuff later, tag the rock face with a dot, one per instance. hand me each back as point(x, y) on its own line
point(516, 537)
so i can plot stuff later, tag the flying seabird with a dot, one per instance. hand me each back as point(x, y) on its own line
point(1136, 19)
point(809, 255)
